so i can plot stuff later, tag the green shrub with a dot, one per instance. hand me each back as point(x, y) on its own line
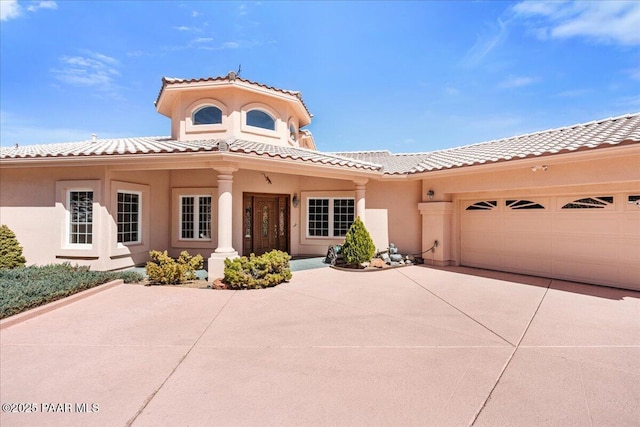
point(10, 249)
point(164, 270)
point(358, 245)
point(29, 287)
point(255, 272)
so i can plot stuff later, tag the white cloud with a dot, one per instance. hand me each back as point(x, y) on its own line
point(485, 44)
point(518, 81)
point(90, 70)
point(632, 101)
point(634, 73)
point(202, 40)
point(573, 93)
point(610, 22)
point(9, 9)
point(231, 45)
point(451, 91)
point(42, 5)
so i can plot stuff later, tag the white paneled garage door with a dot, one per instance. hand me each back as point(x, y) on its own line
point(593, 238)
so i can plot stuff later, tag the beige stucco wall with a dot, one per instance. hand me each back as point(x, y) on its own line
point(563, 172)
point(579, 175)
point(32, 206)
point(234, 103)
point(400, 199)
point(28, 206)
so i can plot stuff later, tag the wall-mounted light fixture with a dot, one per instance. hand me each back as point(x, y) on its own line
point(539, 168)
point(295, 201)
point(430, 194)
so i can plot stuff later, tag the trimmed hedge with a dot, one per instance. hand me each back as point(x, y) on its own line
point(255, 272)
point(10, 249)
point(29, 287)
point(164, 270)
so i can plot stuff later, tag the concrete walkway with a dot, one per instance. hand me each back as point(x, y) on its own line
point(410, 346)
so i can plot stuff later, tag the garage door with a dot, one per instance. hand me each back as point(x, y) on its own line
point(587, 238)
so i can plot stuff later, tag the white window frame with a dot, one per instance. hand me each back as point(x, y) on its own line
point(68, 225)
point(61, 233)
point(190, 127)
point(331, 218)
point(244, 127)
point(196, 222)
point(176, 218)
point(138, 222)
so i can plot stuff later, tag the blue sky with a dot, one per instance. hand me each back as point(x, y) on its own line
point(402, 76)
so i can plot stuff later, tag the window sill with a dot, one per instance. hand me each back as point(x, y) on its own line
point(85, 253)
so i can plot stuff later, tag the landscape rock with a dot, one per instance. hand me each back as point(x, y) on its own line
point(378, 263)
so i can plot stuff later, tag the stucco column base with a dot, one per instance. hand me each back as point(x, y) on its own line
point(216, 264)
point(436, 225)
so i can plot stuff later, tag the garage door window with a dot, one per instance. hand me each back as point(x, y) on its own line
point(483, 206)
point(523, 204)
point(600, 202)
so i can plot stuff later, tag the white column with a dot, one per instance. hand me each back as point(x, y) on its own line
point(360, 199)
point(225, 214)
point(225, 224)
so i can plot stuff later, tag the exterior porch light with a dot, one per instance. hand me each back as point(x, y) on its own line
point(295, 201)
point(430, 194)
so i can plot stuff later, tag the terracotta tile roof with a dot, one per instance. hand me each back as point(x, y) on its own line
point(585, 136)
point(151, 145)
point(166, 81)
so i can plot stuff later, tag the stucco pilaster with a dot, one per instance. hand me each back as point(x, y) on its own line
point(437, 226)
point(361, 204)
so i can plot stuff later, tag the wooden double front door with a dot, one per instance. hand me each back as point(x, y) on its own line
point(266, 223)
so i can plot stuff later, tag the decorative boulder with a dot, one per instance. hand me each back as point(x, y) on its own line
point(378, 263)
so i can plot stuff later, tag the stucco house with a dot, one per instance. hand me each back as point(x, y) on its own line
point(239, 174)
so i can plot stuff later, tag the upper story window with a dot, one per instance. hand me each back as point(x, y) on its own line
point(260, 119)
point(207, 116)
point(292, 132)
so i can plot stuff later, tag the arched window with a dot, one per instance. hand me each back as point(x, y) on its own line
point(260, 119)
point(292, 132)
point(207, 116)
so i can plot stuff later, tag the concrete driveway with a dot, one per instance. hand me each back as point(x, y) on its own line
point(410, 346)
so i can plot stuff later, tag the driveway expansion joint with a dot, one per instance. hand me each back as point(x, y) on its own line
point(175, 368)
point(513, 353)
point(458, 310)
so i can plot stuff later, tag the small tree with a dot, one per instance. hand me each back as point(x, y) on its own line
point(358, 245)
point(10, 249)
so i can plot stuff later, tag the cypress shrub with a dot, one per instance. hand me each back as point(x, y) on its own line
point(358, 245)
point(10, 249)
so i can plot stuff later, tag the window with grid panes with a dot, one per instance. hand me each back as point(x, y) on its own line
point(330, 216)
point(80, 217)
point(195, 217)
point(128, 219)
